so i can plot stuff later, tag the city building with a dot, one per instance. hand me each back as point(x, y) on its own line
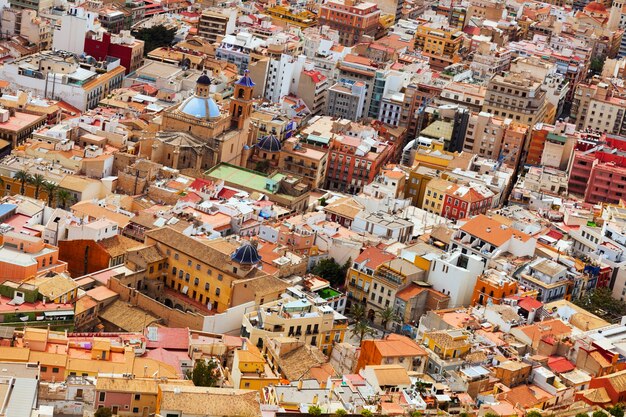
point(353, 19)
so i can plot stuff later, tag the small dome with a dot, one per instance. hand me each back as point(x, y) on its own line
point(204, 79)
point(246, 81)
point(246, 254)
point(270, 143)
point(200, 107)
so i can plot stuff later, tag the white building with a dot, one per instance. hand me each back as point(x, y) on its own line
point(70, 30)
point(283, 76)
point(455, 275)
point(387, 226)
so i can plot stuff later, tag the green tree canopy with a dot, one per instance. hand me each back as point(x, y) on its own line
point(329, 269)
point(366, 413)
point(601, 303)
point(155, 37)
point(362, 329)
point(204, 373)
point(617, 410)
point(315, 410)
point(599, 413)
point(341, 413)
point(533, 414)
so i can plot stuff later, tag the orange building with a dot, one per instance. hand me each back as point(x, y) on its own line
point(494, 287)
point(23, 257)
point(393, 349)
point(535, 148)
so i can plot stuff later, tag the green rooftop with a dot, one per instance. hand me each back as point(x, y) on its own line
point(244, 177)
point(327, 293)
point(553, 136)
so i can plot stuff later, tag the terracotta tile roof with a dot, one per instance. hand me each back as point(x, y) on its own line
point(526, 396)
point(491, 231)
point(374, 257)
point(617, 380)
point(409, 292)
point(560, 364)
point(528, 303)
point(395, 345)
point(215, 401)
point(546, 328)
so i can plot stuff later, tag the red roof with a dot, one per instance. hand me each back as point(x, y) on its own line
point(192, 198)
point(316, 76)
point(560, 365)
point(528, 303)
point(199, 183)
point(227, 193)
point(374, 257)
point(175, 338)
point(555, 235)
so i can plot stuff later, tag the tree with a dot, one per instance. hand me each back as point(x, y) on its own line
point(51, 189)
point(491, 415)
point(599, 413)
point(37, 181)
point(204, 373)
point(415, 413)
point(155, 37)
point(341, 413)
point(262, 166)
point(103, 412)
point(387, 315)
point(63, 197)
point(617, 410)
point(582, 415)
point(597, 64)
point(533, 414)
point(329, 269)
point(366, 413)
point(357, 310)
point(315, 410)
point(23, 177)
point(601, 303)
point(362, 329)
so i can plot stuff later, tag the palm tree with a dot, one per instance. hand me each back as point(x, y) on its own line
point(358, 311)
point(387, 315)
point(63, 197)
point(50, 188)
point(362, 329)
point(37, 181)
point(23, 177)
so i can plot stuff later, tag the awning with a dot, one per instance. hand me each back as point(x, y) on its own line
point(58, 313)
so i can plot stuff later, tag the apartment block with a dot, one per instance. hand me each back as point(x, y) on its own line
point(443, 45)
point(353, 19)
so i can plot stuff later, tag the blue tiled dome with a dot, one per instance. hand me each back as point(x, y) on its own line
point(200, 107)
point(269, 143)
point(246, 81)
point(246, 254)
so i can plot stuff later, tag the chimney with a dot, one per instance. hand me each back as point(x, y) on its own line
point(299, 384)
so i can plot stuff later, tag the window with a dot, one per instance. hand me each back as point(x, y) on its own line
point(189, 262)
point(196, 281)
point(176, 256)
point(55, 370)
point(102, 396)
point(135, 410)
point(197, 267)
point(217, 291)
point(44, 369)
point(220, 277)
point(206, 286)
point(187, 276)
point(137, 397)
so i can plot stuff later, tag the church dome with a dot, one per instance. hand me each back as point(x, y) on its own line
point(200, 107)
point(246, 254)
point(204, 80)
point(270, 143)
